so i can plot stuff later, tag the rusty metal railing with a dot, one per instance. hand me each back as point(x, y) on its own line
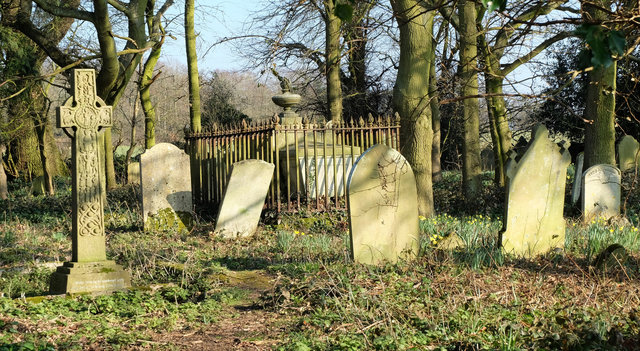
point(312, 162)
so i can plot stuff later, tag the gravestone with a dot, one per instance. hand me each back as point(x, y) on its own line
point(244, 197)
point(165, 179)
point(534, 203)
point(89, 270)
point(628, 153)
point(601, 192)
point(133, 173)
point(487, 159)
point(37, 186)
point(383, 207)
point(4, 192)
point(577, 181)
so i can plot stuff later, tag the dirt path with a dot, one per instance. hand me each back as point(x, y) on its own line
point(244, 325)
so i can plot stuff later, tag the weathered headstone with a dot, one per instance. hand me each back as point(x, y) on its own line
point(37, 186)
point(244, 197)
point(133, 173)
point(4, 192)
point(89, 269)
point(601, 192)
point(535, 197)
point(628, 153)
point(487, 159)
point(166, 188)
point(577, 181)
point(383, 207)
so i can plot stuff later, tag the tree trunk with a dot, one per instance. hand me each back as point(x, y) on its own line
point(471, 169)
point(4, 192)
point(332, 59)
point(411, 94)
point(40, 129)
point(599, 137)
point(145, 97)
point(499, 125)
point(192, 67)
point(436, 169)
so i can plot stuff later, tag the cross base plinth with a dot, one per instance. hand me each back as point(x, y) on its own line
point(89, 277)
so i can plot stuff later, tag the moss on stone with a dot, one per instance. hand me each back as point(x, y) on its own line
point(167, 220)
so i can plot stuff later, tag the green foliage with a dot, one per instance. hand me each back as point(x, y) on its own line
point(344, 11)
point(562, 112)
point(493, 5)
point(603, 43)
point(218, 104)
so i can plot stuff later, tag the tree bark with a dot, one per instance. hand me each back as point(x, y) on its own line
point(436, 169)
point(599, 137)
point(411, 94)
point(471, 169)
point(145, 97)
point(192, 67)
point(332, 59)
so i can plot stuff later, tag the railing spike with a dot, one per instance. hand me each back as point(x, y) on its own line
point(361, 121)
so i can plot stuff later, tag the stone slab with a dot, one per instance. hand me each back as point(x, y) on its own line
point(601, 192)
point(244, 197)
point(577, 181)
point(382, 207)
point(536, 179)
point(628, 153)
point(165, 177)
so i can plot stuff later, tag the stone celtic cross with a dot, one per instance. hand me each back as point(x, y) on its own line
point(86, 113)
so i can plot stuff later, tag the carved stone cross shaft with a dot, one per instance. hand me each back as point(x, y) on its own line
point(86, 113)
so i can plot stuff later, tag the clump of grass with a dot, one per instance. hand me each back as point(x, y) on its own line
point(479, 235)
point(591, 238)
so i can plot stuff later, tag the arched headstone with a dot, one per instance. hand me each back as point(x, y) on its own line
point(383, 207)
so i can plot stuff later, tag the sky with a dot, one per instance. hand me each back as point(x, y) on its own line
point(212, 24)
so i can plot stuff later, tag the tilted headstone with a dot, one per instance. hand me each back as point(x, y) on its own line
point(89, 269)
point(535, 197)
point(601, 192)
point(4, 192)
point(487, 159)
point(383, 207)
point(577, 181)
point(133, 173)
point(166, 188)
point(244, 197)
point(628, 153)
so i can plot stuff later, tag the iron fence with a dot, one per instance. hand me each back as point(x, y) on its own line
point(312, 161)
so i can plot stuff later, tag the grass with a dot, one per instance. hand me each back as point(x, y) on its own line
point(471, 297)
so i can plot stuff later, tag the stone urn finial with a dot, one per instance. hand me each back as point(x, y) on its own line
point(287, 100)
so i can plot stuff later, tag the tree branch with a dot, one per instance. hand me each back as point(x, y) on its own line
point(534, 52)
point(64, 11)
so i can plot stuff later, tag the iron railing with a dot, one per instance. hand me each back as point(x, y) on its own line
point(312, 161)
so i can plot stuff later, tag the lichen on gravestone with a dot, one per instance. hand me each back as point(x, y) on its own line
point(168, 220)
